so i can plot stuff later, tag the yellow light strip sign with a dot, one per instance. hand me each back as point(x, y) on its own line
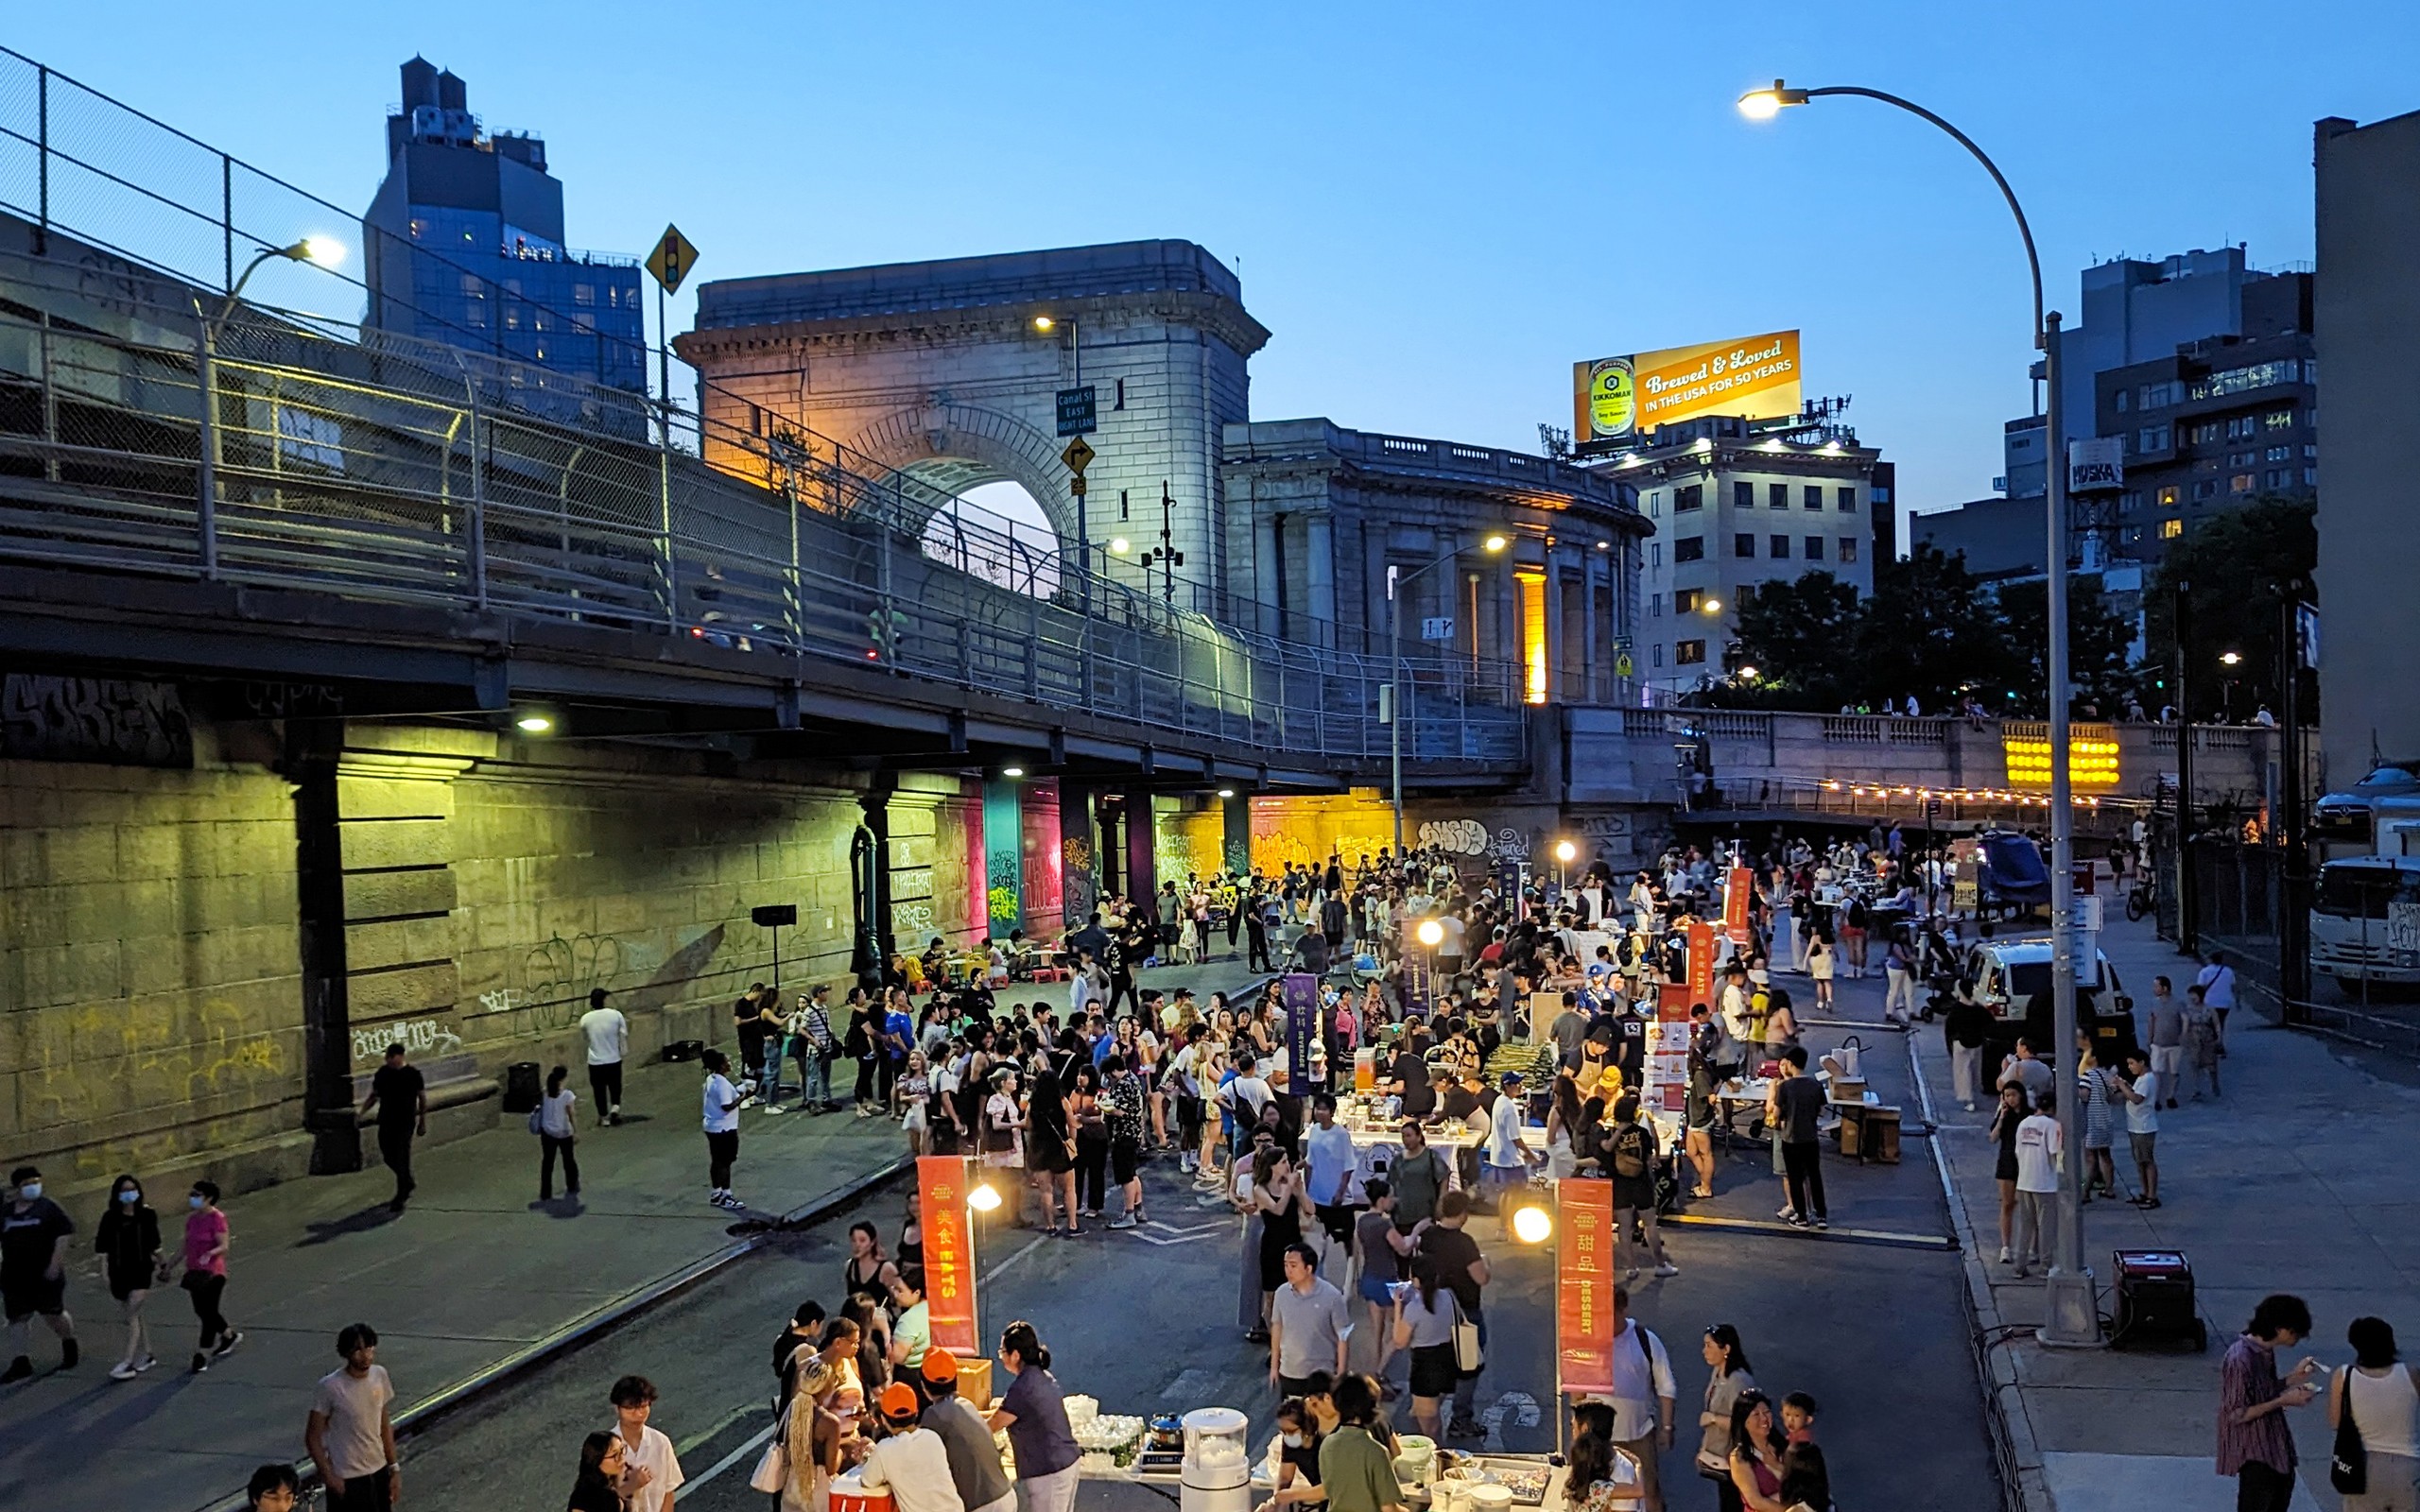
point(2092, 761)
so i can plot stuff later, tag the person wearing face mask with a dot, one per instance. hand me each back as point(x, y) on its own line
point(128, 1241)
point(34, 1231)
point(205, 1278)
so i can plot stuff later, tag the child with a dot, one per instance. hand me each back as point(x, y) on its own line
point(1803, 1477)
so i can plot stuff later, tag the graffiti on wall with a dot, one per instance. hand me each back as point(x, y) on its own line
point(1079, 893)
point(1001, 900)
point(557, 976)
point(419, 1036)
point(1455, 837)
point(1508, 845)
point(93, 719)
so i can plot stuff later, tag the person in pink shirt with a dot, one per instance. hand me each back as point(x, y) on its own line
point(205, 1278)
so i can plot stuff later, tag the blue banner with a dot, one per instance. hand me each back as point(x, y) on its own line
point(1300, 994)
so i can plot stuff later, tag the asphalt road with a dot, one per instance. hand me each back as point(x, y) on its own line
point(1874, 1330)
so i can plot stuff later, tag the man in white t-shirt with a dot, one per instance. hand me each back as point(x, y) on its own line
point(1248, 1093)
point(650, 1472)
point(1644, 1398)
point(1506, 1168)
point(1332, 1163)
point(2039, 1145)
point(608, 1035)
point(911, 1463)
point(350, 1429)
point(2141, 1089)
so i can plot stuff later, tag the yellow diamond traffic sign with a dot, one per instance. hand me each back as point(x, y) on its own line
point(1078, 455)
point(672, 259)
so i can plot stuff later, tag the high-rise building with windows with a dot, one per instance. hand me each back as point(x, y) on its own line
point(464, 244)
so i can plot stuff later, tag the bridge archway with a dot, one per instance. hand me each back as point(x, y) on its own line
point(956, 447)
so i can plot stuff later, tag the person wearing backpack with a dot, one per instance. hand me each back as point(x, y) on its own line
point(1630, 1151)
point(1645, 1399)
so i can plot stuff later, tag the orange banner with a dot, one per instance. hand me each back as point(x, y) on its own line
point(1583, 1304)
point(1667, 1048)
point(1701, 961)
point(1735, 892)
point(949, 1253)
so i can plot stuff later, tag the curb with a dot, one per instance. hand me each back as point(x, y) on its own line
point(429, 1410)
point(2011, 1430)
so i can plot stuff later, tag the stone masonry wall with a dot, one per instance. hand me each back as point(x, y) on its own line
point(148, 967)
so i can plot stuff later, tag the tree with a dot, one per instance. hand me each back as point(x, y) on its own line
point(1928, 631)
point(2097, 638)
point(2235, 563)
point(1798, 636)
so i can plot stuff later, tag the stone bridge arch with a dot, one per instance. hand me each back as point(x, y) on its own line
point(954, 447)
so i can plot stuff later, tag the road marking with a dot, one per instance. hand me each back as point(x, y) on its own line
point(1181, 1236)
point(689, 1487)
point(690, 1444)
point(1030, 1246)
point(1767, 1225)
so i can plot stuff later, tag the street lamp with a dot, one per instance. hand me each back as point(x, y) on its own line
point(2231, 658)
point(1710, 605)
point(1494, 543)
point(326, 252)
point(2069, 1317)
point(1564, 851)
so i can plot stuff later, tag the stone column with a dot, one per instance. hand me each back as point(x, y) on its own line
point(1319, 574)
point(1078, 855)
point(1003, 857)
point(312, 749)
point(1235, 847)
point(1142, 866)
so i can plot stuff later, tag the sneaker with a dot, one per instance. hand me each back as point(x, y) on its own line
point(20, 1368)
point(69, 1352)
point(1797, 1222)
point(1969, 1107)
point(1122, 1221)
point(201, 1363)
point(2005, 1257)
point(1786, 1213)
point(1667, 1268)
point(145, 1363)
point(235, 1337)
point(123, 1370)
point(715, 1198)
point(1823, 1223)
point(775, 1108)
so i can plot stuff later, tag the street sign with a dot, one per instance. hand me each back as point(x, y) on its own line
point(1076, 484)
point(1077, 411)
point(1078, 457)
point(1932, 808)
point(2086, 914)
point(1622, 667)
point(1437, 627)
point(672, 259)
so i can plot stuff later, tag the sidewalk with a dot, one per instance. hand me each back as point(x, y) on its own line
point(471, 1276)
point(2298, 1179)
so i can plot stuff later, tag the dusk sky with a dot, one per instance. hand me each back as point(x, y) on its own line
point(1436, 209)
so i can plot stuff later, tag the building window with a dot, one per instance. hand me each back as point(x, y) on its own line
point(1848, 501)
point(2205, 433)
point(2278, 453)
point(1685, 600)
point(1690, 549)
point(1881, 495)
point(2168, 497)
point(1688, 653)
point(1777, 495)
point(2240, 427)
point(1743, 545)
point(2240, 483)
point(1690, 497)
point(1743, 495)
point(1655, 506)
point(2311, 477)
point(2158, 396)
point(1814, 496)
point(1655, 553)
point(1656, 606)
point(1814, 548)
point(2129, 502)
point(2151, 438)
point(2203, 489)
point(2122, 400)
point(2170, 529)
point(1532, 589)
point(1659, 653)
point(1780, 545)
point(1849, 549)
point(2278, 419)
point(2276, 477)
point(2258, 375)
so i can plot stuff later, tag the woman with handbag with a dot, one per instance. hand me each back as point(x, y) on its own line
point(1091, 1144)
point(1424, 1325)
point(1725, 1357)
point(812, 1447)
point(2374, 1406)
point(1003, 1135)
point(1051, 1149)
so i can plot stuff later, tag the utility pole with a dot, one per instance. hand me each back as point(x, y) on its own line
point(2180, 617)
point(2294, 953)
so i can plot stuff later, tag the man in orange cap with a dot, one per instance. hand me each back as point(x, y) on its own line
point(974, 1465)
point(911, 1463)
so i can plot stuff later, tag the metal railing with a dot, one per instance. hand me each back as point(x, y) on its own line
point(272, 453)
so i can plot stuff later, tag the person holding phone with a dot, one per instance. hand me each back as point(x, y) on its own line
point(2256, 1444)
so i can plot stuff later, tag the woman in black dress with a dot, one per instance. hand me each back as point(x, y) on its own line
point(1051, 1149)
point(1283, 1206)
point(2013, 1107)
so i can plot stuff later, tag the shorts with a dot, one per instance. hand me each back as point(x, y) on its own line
point(23, 1298)
point(1433, 1371)
point(1337, 1218)
point(1633, 1194)
point(2006, 1169)
point(1374, 1286)
point(2141, 1144)
point(1125, 1158)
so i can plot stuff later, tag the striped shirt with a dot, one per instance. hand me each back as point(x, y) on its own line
point(2247, 1378)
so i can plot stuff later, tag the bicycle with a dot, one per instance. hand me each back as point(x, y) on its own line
point(2140, 899)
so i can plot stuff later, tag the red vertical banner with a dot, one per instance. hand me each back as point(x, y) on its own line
point(1584, 1305)
point(949, 1253)
point(1735, 906)
point(1701, 961)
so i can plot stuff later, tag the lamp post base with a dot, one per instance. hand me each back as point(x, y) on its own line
point(2069, 1319)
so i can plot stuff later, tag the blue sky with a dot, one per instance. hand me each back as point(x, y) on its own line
point(1435, 208)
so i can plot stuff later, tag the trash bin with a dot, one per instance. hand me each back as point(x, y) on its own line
point(521, 1087)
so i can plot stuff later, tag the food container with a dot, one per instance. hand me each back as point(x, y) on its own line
point(1415, 1459)
point(1081, 1409)
point(1487, 1496)
point(1216, 1456)
point(1168, 1431)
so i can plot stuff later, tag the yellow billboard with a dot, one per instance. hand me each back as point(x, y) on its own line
point(1754, 377)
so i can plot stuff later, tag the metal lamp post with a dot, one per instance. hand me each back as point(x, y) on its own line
point(1493, 543)
point(324, 251)
point(2069, 1316)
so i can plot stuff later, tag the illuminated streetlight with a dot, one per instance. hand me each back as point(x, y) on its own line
point(1711, 605)
point(1011, 771)
point(533, 723)
point(1119, 545)
point(1044, 322)
point(1429, 933)
point(984, 1198)
point(1496, 542)
point(1747, 673)
point(2231, 658)
point(1226, 792)
point(1764, 104)
point(1532, 1225)
point(1565, 851)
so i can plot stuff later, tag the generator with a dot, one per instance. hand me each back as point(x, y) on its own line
point(2155, 1302)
